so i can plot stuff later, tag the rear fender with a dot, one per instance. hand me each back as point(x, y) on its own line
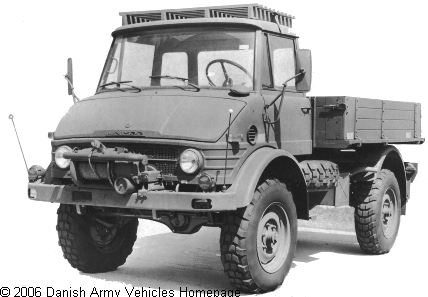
point(385, 158)
point(265, 163)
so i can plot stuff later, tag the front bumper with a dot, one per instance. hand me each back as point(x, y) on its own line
point(150, 200)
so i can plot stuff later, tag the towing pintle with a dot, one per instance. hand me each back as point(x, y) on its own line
point(248, 11)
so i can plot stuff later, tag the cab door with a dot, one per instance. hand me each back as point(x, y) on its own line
point(290, 126)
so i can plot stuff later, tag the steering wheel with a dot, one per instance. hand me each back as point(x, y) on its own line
point(228, 81)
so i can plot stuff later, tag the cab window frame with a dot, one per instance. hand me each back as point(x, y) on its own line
point(267, 36)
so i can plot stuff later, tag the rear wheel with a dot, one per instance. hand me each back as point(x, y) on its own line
point(94, 244)
point(258, 242)
point(377, 215)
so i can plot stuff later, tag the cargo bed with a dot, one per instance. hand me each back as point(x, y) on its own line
point(343, 122)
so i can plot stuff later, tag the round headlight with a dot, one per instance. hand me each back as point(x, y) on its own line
point(59, 159)
point(190, 161)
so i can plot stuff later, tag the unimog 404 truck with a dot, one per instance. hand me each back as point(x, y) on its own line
point(201, 118)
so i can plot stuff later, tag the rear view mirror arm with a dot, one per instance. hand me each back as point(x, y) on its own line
point(281, 95)
point(75, 98)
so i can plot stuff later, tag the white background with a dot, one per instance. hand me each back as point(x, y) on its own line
point(372, 49)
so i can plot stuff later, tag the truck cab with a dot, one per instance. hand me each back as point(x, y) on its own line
point(200, 118)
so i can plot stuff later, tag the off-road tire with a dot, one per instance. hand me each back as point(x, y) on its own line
point(82, 251)
point(377, 213)
point(320, 174)
point(254, 258)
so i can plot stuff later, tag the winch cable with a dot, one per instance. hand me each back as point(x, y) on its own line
point(96, 146)
point(90, 164)
point(110, 173)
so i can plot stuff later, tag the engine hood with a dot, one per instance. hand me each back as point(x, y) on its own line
point(190, 117)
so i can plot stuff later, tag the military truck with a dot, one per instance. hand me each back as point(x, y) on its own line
point(201, 118)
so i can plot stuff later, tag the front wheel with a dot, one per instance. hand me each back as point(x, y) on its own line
point(258, 242)
point(93, 243)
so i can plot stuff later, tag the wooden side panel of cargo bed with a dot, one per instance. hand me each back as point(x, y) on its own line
point(331, 123)
point(418, 117)
point(398, 120)
point(368, 118)
point(365, 121)
point(334, 122)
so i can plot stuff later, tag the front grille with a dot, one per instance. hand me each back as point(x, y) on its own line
point(165, 167)
point(158, 152)
point(152, 151)
point(155, 151)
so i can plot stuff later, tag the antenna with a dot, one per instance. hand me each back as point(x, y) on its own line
point(22, 152)
point(227, 149)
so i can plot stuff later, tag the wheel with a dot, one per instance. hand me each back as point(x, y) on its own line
point(94, 244)
point(228, 81)
point(377, 214)
point(258, 242)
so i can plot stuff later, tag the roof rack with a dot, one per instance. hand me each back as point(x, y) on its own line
point(249, 11)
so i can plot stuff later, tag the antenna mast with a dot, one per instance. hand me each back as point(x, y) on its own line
point(22, 152)
point(227, 149)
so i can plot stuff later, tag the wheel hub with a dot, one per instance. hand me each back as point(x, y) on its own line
point(389, 213)
point(273, 238)
point(269, 238)
point(102, 235)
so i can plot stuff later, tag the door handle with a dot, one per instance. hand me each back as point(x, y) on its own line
point(306, 110)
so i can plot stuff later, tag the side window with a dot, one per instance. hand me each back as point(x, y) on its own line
point(266, 74)
point(283, 60)
point(174, 64)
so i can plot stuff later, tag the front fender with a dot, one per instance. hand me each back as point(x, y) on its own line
point(255, 165)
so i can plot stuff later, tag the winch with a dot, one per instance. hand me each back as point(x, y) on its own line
point(126, 171)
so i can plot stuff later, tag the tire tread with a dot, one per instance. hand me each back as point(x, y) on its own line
point(367, 197)
point(68, 239)
point(232, 242)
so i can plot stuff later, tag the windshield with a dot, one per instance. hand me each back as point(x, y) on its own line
point(207, 57)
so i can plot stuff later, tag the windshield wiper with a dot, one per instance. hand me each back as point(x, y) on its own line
point(118, 83)
point(178, 78)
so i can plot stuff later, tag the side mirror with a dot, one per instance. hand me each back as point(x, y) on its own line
point(70, 76)
point(304, 60)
